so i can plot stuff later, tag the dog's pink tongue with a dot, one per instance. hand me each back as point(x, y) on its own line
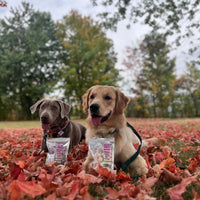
point(45, 126)
point(96, 120)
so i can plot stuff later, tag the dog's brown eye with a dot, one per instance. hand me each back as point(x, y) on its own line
point(43, 106)
point(107, 97)
point(92, 96)
point(53, 107)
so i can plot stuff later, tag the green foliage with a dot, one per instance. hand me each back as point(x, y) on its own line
point(138, 107)
point(156, 74)
point(91, 58)
point(188, 90)
point(168, 15)
point(29, 57)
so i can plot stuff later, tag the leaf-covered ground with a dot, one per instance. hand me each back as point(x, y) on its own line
point(174, 171)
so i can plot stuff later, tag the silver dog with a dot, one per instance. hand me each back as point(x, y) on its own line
point(55, 123)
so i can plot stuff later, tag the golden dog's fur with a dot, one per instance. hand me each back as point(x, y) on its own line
point(108, 116)
point(112, 103)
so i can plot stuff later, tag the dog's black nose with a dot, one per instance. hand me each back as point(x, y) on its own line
point(44, 119)
point(94, 107)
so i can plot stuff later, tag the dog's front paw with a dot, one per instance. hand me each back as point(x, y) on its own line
point(138, 167)
point(86, 166)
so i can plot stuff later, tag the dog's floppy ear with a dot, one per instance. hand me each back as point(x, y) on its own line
point(121, 102)
point(35, 106)
point(65, 108)
point(85, 99)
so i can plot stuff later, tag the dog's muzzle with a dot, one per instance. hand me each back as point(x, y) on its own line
point(45, 121)
point(96, 118)
point(94, 108)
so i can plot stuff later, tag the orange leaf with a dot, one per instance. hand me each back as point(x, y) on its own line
point(121, 176)
point(167, 163)
point(19, 189)
point(21, 164)
point(84, 190)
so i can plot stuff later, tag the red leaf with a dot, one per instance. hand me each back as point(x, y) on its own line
point(87, 196)
point(19, 189)
point(195, 195)
point(64, 190)
point(129, 190)
point(84, 190)
point(88, 178)
point(74, 169)
point(121, 176)
point(46, 181)
point(151, 181)
point(15, 170)
point(169, 177)
point(3, 192)
point(51, 197)
point(186, 149)
point(177, 191)
point(159, 156)
point(74, 190)
point(193, 166)
point(21, 177)
point(112, 193)
point(106, 173)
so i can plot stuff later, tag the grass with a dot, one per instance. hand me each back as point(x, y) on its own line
point(19, 124)
point(37, 124)
point(28, 124)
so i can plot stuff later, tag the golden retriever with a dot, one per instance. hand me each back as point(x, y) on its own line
point(105, 106)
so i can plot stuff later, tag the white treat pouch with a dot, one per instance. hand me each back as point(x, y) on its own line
point(57, 149)
point(102, 151)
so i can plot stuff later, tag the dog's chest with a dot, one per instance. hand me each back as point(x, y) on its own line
point(101, 133)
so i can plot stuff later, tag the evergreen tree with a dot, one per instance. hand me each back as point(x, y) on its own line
point(30, 54)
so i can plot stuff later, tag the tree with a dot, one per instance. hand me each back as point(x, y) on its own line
point(30, 54)
point(192, 86)
point(178, 20)
point(169, 15)
point(155, 76)
point(91, 57)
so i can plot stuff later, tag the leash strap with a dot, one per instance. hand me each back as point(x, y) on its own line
point(135, 155)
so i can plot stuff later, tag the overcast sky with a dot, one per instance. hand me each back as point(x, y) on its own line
point(59, 8)
point(121, 38)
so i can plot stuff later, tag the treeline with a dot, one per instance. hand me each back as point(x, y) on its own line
point(159, 92)
point(39, 56)
point(184, 100)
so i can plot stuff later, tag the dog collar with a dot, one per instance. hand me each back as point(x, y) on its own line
point(60, 130)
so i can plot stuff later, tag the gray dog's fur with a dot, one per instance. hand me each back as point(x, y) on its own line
point(53, 114)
